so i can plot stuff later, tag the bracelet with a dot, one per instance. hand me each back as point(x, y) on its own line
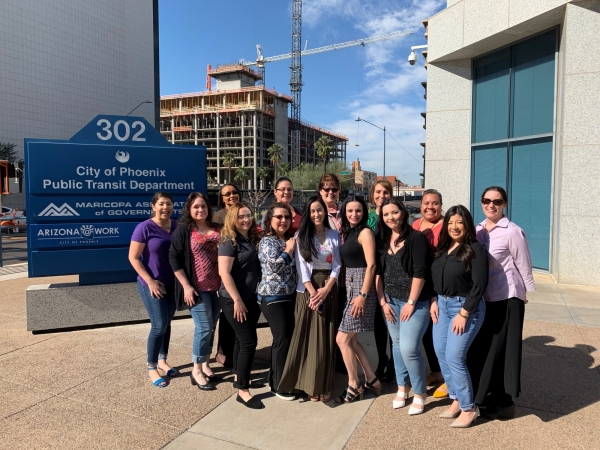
point(463, 316)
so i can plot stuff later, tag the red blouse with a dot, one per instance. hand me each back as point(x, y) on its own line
point(432, 234)
point(205, 253)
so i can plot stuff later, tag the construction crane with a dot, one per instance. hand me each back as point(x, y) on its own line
point(296, 72)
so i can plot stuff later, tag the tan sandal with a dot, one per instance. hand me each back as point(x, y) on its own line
point(325, 398)
point(314, 398)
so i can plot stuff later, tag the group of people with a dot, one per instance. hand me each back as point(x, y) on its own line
point(324, 274)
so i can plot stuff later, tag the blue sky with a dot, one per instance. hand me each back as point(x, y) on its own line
point(374, 82)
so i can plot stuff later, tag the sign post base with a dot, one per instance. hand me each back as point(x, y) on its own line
point(69, 305)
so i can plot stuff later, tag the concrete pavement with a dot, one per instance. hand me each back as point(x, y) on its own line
point(88, 389)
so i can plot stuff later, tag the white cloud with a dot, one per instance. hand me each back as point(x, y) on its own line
point(394, 96)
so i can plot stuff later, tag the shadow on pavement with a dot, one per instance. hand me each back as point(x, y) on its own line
point(556, 380)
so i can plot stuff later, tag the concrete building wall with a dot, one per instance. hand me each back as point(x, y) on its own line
point(65, 61)
point(467, 29)
point(282, 128)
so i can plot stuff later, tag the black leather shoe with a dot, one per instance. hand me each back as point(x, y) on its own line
point(203, 387)
point(253, 403)
point(495, 412)
point(213, 378)
point(389, 375)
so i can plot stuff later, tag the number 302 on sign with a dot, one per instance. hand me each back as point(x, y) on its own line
point(121, 130)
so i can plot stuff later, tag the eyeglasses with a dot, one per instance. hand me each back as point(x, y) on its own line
point(496, 202)
point(282, 217)
point(285, 189)
point(332, 190)
point(245, 216)
point(229, 194)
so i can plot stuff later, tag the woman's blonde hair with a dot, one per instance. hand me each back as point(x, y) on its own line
point(386, 184)
point(229, 230)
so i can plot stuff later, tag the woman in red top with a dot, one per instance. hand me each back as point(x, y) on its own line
point(430, 224)
point(193, 257)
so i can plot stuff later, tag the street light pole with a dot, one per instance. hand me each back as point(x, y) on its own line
point(382, 129)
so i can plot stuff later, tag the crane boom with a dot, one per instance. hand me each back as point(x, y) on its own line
point(312, 51)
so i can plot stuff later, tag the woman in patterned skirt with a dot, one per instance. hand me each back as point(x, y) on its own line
point(358, 254)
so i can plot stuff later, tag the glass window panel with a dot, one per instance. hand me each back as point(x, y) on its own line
point(489, 169)
point(532, 85)
point(490, 96)
point(530, 194)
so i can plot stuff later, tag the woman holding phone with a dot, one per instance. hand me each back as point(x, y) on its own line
point(311, 358)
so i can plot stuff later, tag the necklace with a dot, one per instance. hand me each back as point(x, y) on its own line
point(432, 224)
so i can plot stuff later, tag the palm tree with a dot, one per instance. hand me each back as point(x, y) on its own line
point(274, 152)
point(324, 145)
point(262, 173)
point(228, 160)
point(241, 174)
point(285, 169)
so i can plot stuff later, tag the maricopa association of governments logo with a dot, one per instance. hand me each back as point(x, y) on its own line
point(122, 156)
point(54, 211)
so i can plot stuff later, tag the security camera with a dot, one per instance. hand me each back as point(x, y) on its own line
point(412, 58)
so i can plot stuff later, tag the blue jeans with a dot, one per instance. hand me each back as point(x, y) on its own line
point(160, 311)
point(451, 349)
point(205, 314)
point(406, 343)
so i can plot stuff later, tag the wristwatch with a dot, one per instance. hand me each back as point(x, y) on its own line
point(362, 294)
point(411, 302)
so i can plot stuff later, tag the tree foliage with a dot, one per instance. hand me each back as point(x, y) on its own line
point(8, 153)
point(306, 177)
point(262, 173)
point(324, 146)
point(284, 169)
point(275, 152)
point(228, 160)
point(241, 174)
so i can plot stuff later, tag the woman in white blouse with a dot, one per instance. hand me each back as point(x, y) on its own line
point(311, 358)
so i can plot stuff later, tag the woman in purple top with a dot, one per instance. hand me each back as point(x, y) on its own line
point(149, 256)
point(495, 357)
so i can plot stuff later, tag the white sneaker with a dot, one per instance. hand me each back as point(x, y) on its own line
point(285, 396)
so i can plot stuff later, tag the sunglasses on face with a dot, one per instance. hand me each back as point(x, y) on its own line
point(229, 194)
point(497, 202)
point(332, 190)
point(282, 217)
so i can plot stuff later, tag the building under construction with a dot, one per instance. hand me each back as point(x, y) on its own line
point(241, 118)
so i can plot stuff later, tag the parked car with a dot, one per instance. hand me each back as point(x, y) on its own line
point(13, 218)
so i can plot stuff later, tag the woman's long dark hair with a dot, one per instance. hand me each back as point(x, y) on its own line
point(345, 230)
point(384, 236)
point(465, 252)
point(306, 232)
point(267, 228)
point(186, 218)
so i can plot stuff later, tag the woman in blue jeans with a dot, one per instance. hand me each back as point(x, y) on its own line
point(404, 290)
point(194, 259)
point(460, 277)
point(149, 256)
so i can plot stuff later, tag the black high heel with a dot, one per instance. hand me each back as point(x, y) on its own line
point(351, 394)
point(203, 387)
point(213, 378)
point(371, 385)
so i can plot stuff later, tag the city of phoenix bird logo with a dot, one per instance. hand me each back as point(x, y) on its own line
point(122, 156)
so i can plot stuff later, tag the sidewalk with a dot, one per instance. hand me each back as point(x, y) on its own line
point(87, 389)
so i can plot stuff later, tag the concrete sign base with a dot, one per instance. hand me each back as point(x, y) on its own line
point(68, 305)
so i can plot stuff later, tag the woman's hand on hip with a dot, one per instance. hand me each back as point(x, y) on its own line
point(157, 289)
point(407, 311)
point(239, 311)
point(189, 295)
point(458, 325)
point(389, 313)
point(434, 310)
point(358, 306)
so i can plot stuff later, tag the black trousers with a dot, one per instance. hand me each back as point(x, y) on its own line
point(246, 339)
point(494, 359)
point(226, 339)
point(432, 359)
point(382, 338)
point(280, 316)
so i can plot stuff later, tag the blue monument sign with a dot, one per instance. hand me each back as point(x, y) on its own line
point(86, 195)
